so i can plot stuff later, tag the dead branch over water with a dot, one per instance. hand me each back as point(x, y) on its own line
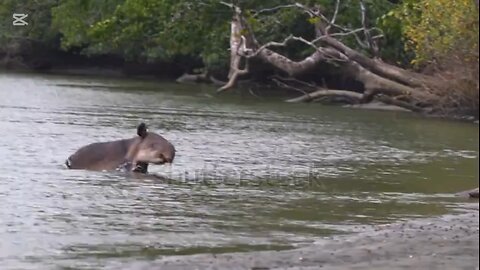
point(382, 81)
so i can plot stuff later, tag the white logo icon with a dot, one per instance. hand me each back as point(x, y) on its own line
point(19, 19)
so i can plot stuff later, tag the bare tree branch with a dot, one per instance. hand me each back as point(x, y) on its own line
point(233, 80)
point(236, 58)
point(249, 53)
point(230, 5)
point(371, 43)
point(265, 10)
point(344, 31)
point(334, 17)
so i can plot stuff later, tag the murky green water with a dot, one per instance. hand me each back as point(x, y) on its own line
point(250, 174)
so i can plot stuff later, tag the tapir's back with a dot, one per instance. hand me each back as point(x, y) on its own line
point(99, 156)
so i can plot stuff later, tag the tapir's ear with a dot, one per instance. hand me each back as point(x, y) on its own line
point(142, 130)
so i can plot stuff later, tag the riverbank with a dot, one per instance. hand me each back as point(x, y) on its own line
point(104, 66)
point(115, 68)
point(446, 242)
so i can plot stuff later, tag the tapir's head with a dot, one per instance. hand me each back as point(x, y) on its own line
point(150, 147)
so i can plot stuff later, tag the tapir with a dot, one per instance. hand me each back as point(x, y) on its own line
point(473, 193)
point(127, 155)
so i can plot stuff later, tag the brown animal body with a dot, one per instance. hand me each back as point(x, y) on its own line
point(473, 193)
point(129, 154)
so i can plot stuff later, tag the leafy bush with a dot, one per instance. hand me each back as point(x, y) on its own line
point(436, 29)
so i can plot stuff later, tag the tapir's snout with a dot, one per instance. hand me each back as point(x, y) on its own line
point(168, 153)
point(167, 158)
point(171, 155)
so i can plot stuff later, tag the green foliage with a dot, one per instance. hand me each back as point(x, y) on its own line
point(153, 30)
point(73, 18)
point(393, 44)
point(145, 29)
point(435, 29)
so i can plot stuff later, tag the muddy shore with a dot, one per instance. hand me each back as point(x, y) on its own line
point(446, 242)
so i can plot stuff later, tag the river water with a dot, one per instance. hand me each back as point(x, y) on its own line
point(250, 173)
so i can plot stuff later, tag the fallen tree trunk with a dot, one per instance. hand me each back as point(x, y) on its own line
point(377, 66)
point(292, 68)
point(391, 84)
point(374, 84)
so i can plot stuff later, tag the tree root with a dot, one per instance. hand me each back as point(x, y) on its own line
point(393, 101)
point(193, 78)
point(353, 96)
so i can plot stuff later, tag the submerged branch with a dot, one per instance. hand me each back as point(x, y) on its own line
point(393, 101)
point(355, 97)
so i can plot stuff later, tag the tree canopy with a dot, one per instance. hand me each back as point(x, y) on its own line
point(437, 28)
point(150, 30)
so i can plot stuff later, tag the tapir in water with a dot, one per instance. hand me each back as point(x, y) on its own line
point(127, 155)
